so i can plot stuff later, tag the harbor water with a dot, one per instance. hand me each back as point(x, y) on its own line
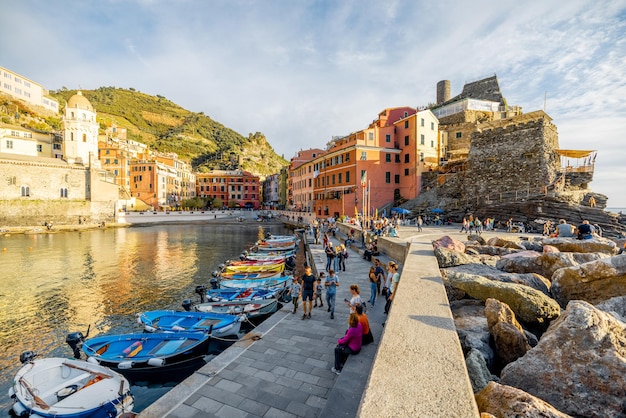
point(58, 283)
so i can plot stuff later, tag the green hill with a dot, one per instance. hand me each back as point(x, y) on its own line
point(166, 127)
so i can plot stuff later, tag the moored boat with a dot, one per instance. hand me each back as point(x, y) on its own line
point(149, 352)
point(249, 308)
point(217, 295)
point(213, 323)
point(269, 283)
point(61, 387)
point(250, 276)
point(269, 268)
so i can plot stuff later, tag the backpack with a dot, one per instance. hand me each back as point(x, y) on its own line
point(345, 254)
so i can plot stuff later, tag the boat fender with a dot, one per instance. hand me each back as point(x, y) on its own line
point(139, 318)
point(156, 362)
point(177, 328)
point(20, 410)
point(125, 365)
point(148, 328)
point(92, 360)
point(11, 393)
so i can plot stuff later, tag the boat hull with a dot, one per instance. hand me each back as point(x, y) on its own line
point(251, 309)
point(215, 324)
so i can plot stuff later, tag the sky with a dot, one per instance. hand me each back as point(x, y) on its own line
point(303, 71)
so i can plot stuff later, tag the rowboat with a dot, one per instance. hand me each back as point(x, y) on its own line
point(268, 254)
point(275, 282)
point(158, 352)
point(61, 387)
point(254, 268)
point(266, 262)
point(249, 276)
point(249, 308)
point(217, 295)
point(216, 324)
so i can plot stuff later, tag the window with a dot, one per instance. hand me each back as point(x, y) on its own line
point(107, 152)
point(387, 177)
point(347, 157)
point(364, 155)
point(63, 192)
point(11, 181)
point(333, 179)
point(339, 177)
point(406, 140)
point(406, 171)
point(459, 134)
point(25, 191)
point(39, 148)
point(421, 156)
point(84, 137)
point(56, 146)
point(9, 144)
point(432, 143)
point(406, 124)
point(396, 178)
point(388, 158)
point(406, 158)
point(432, 126)
point(347, 177)
point(370, 136)
point(422, 122)
point(422, 139)
point(387, 138)
point(397, 158)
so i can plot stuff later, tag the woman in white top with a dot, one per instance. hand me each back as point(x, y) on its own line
point(393, 287)
point(356, 297)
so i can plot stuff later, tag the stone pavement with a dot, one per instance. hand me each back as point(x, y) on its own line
point(285, 370)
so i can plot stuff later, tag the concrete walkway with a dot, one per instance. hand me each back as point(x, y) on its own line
point(282, 368)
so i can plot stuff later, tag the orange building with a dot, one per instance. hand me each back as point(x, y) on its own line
point(148, 182)
point(234, 188)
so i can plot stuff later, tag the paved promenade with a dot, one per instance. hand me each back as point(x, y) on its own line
point(282, 368)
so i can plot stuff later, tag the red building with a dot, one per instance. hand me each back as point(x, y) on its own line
point(234, 189)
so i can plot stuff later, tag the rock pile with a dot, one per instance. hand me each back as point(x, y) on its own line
point(542, 324)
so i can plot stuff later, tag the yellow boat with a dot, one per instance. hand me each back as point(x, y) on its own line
point(275, 268)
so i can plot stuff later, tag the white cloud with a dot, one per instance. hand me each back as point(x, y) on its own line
point(301, 72)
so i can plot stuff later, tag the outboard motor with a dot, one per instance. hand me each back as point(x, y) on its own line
point(215, 283)
point(75, 340)
point(215, 273)
point(187, 304)
point(27, 356)
point(201, 290)
point(290, 263)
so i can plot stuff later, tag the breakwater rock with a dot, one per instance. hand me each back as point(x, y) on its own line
point(546, 320)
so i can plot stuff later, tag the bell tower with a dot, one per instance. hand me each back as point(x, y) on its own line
point(80, 131)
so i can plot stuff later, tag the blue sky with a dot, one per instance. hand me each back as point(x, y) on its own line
point(303, 71)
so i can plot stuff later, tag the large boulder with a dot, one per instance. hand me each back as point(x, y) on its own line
point(508, 335)
point(508, 402)
point(530, 305)
point(478, 371)
point(471, 325)
point(529, 279)
point(593, 245)
point(593, 282)
point(490, 249)
point(578, 365)
point(544, 264)
point(449, 243)
point(615, 306)
point(448, 258)
point(500, 242)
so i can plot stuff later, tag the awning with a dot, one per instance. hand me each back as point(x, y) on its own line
point(574, 153)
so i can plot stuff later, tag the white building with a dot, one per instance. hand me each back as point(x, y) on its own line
point(80, 132)
point(27, 90)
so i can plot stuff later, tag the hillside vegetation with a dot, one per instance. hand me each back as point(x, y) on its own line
point(166, 127)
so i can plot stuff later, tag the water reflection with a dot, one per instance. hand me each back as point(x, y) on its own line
point(54, 284)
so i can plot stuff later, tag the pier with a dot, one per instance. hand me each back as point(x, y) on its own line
point(414, 367)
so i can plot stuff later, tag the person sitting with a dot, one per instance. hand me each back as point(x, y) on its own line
point(367, 254)
point(585, 230)
point(563, 229)
point(350, 344)
point(375, 248)
point(365, 323)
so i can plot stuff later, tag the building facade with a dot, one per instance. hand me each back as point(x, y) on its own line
point(233, 188)
point(27, 90)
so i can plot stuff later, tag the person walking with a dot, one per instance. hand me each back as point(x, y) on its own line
point(296, 289)
point(308, 285)
point(330, 255)
point(341, 256)
point(331, 284)
point(380, 274)
point(319, 287)
point(420, 223)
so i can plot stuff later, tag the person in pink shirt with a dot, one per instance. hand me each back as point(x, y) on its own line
point(349, 344)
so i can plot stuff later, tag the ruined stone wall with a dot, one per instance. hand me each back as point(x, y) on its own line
point(514, 157)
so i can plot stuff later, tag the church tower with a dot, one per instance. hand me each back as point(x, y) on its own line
point(80, 135)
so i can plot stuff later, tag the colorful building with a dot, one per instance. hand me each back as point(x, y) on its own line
point(234, 188)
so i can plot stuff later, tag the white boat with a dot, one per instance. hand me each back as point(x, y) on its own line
point(61, 387)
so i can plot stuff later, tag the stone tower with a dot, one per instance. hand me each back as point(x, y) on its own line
point(443, 91)
point(80, 132)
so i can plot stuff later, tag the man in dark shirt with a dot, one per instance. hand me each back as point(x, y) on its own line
point(308, 286)
point(585, 230)
point(379, 273)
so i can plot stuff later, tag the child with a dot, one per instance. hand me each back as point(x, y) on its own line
point(296, 288)
point(318, 290)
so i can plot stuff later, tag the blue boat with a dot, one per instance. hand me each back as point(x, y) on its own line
point(217, 324)
point(269, 283)
point(146, 352)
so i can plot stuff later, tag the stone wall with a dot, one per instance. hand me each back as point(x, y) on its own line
point(60, 212)
point(514, 157)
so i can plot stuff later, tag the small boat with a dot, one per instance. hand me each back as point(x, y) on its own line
point(61, 387)
point(268, 255)
point(158, 352)
point(274, 282)
point(268, 268)
point(249, 276)
point(249, 308)
point(218, 295)
point(276, 246)
point(257, 262)
point(215, 324)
